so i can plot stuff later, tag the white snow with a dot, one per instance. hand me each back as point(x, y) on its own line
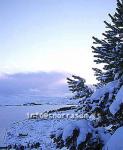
point(83, 126)
point(39, 130)
point(116, 141)
point(68, 130)
point(115, 106)
point(36, 131)
point(109, 88)
point(14, 115)
point(103, 134)
point(11, 114)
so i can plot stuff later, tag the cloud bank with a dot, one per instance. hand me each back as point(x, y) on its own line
point(39, 83)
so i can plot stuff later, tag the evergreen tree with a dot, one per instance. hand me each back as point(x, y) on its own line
point(77, 86)
point(109, 51)
point(105, 105)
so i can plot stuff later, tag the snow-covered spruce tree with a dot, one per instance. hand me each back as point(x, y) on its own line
point(78, 87)
point(109, 51)
point(105, 105)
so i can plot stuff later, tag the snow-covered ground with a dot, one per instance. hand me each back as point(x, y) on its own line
point(14, 120)
point(36, 131)
point(10, 114)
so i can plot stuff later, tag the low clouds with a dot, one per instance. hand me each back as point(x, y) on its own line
point(39, 83)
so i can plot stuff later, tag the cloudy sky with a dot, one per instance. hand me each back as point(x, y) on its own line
point(50, 35)
point(39, 83)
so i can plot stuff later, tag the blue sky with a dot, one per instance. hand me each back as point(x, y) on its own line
point(51, 35)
